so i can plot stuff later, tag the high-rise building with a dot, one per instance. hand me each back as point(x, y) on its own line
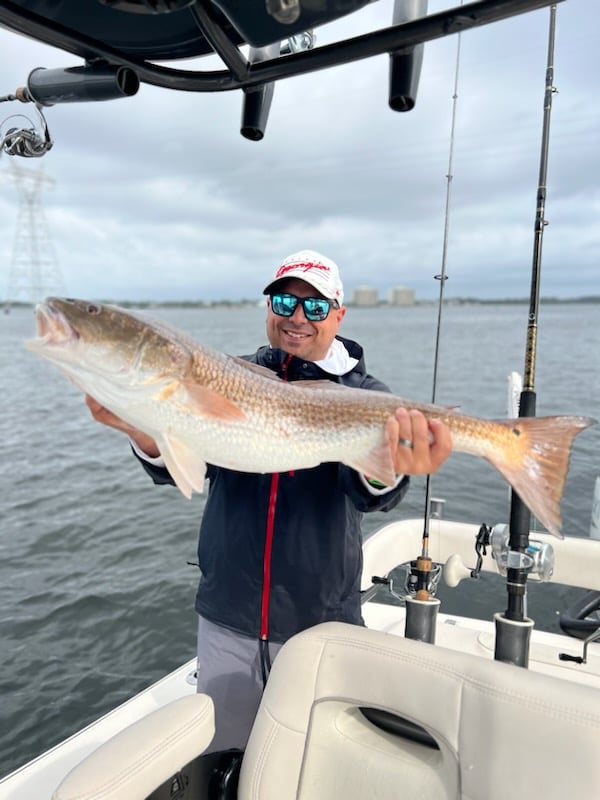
point(401, 296)
point(365, 296)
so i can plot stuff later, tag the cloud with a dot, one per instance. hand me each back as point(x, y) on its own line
point(159, 197)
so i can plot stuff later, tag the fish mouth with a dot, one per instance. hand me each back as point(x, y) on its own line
point(52, 327)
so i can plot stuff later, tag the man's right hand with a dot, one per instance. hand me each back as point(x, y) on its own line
point(105, 417)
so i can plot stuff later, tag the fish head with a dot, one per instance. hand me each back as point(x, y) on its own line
point(90, 341)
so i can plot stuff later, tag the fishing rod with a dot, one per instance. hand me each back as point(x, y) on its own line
point(420, 619)
point(442, 277)
point(513, 628)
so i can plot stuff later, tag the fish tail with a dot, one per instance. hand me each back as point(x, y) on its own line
point(536, 460)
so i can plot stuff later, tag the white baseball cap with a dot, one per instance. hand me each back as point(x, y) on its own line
point(315, 269)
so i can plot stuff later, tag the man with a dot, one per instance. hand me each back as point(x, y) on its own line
point(280, 553)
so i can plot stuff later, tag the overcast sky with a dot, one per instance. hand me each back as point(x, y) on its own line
point(159, 197)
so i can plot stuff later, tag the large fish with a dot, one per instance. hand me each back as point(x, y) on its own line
point(202, 406)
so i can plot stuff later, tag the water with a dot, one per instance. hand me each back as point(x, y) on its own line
point(96, 596)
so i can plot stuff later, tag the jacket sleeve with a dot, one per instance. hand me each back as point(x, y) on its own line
point(160, 475)
point(365, 500)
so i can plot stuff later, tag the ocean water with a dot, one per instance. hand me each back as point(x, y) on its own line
point(96, 595)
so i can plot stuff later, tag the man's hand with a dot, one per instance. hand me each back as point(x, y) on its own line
point(105, 417)
point(419, 446)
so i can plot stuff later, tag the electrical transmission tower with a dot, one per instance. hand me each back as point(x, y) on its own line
point(34, 271)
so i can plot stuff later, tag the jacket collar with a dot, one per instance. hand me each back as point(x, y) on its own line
point(273, 358)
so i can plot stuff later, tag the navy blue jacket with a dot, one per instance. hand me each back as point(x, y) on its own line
point(316, 559)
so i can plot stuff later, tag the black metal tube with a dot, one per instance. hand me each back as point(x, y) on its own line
point(405, 64)
point(512, 640)
point(421, 619)
point(255, 112)
point(256, 103)
point(81, 84)
point(220, 42)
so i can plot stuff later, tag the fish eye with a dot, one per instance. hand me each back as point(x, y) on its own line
point(92, 309)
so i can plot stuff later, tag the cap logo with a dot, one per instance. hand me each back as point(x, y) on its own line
point(305, 266)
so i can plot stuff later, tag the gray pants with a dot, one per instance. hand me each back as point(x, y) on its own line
point(229, 672)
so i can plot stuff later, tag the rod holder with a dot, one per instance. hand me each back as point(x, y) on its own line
point(256, 102)
point(81, 84)
point(421, 618)
point(512, 640)
point(255, 112)
point(405, 64)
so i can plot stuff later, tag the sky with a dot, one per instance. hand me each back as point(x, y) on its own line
point(158, 196)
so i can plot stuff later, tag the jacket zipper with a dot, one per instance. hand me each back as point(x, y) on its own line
point(266, 586)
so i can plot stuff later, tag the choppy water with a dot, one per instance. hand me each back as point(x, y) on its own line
point(96, 597)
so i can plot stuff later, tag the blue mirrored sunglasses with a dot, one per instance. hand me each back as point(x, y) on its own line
point(316, 309)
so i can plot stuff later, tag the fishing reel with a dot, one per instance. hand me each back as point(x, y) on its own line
point(415, 574)
point(28, 141)
point(410, 580)
point(537, 560)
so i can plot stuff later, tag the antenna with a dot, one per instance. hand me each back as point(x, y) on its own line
point(34, 271)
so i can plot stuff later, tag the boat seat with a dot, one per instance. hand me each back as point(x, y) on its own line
point(134, 762)
point(484, 730)
point(357, 714)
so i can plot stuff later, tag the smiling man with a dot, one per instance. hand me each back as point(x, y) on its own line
point(306, 329)
point(283, 552)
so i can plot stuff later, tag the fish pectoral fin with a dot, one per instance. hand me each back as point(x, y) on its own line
point(167, 391)
point(377, 463)
point(186, 468)
point(209, 403)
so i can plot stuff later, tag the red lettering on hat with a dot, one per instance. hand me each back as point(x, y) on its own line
point(306, 266)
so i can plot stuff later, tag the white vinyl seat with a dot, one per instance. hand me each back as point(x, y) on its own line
point(134, 762)
point(501, 730)
point(498, 731)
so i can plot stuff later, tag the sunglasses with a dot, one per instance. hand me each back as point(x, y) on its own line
point(316, 309)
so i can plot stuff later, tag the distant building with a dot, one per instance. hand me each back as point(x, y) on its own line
point(401, 296)
point(365, 296)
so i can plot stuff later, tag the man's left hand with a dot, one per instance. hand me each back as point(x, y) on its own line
point(419, 445)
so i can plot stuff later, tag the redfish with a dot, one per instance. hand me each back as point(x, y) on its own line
point(202, 406)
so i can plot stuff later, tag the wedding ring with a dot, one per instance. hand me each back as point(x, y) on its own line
point(406, 443)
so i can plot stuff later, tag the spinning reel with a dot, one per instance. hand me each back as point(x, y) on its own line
point(30, 140)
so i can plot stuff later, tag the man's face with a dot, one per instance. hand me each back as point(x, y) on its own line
point(296, 334)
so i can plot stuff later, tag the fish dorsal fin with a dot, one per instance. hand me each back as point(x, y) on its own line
point(321, 383)
point(317, 383)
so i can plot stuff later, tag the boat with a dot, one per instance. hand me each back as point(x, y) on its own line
point(549, 708)
point(420, 701)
